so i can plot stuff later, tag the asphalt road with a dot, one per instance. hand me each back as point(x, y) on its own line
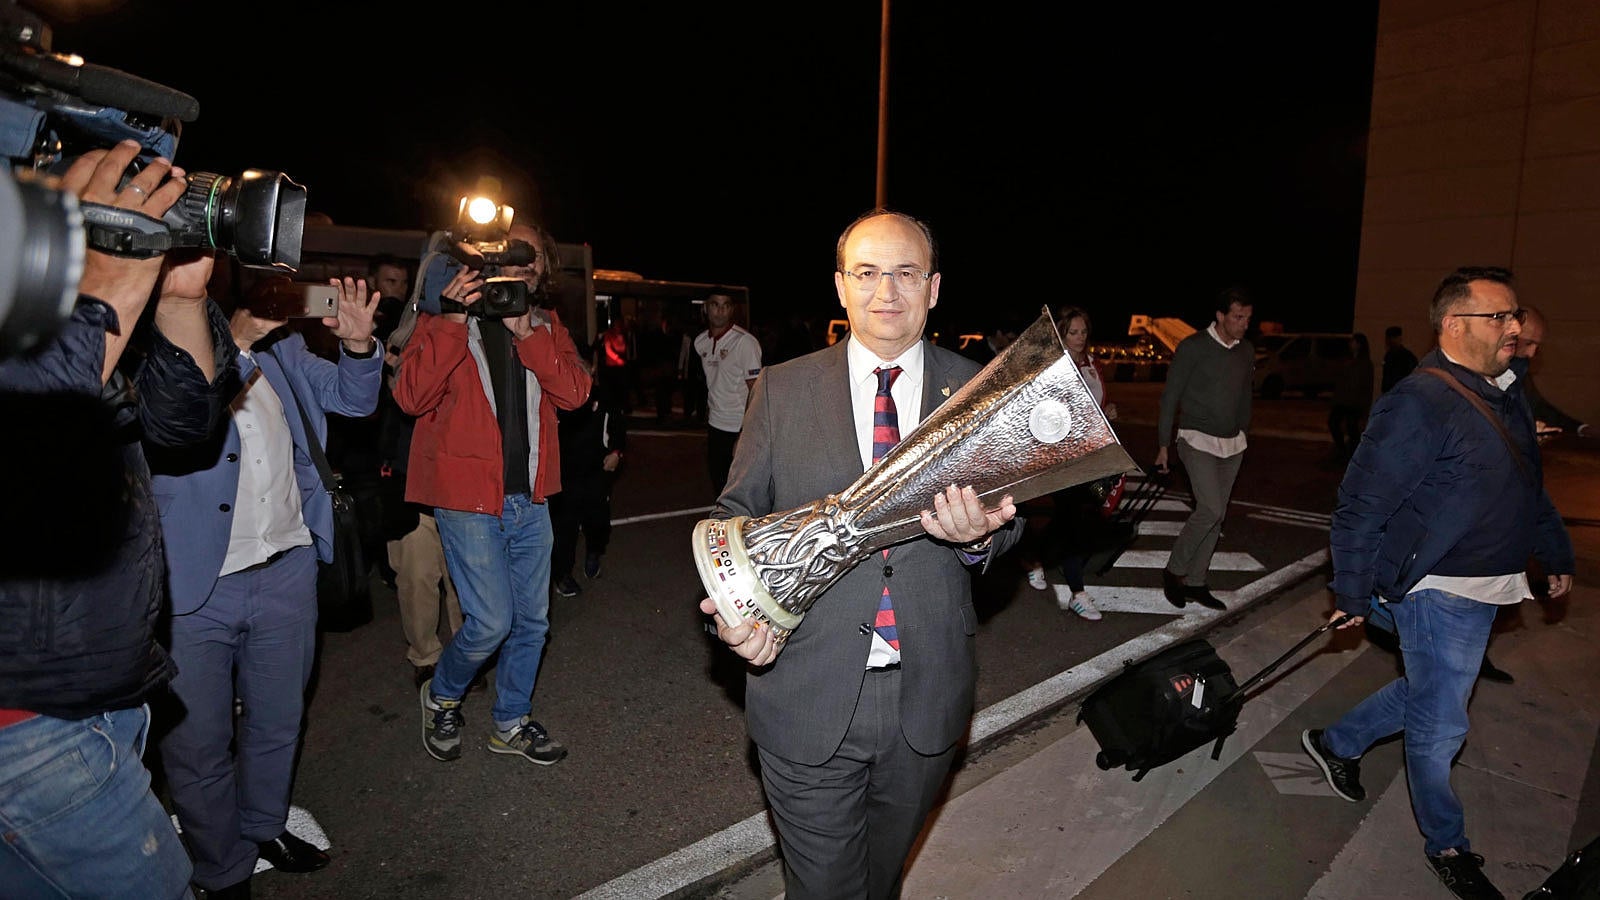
point(649, 704)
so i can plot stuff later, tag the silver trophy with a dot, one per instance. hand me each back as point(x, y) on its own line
point(1026, 425)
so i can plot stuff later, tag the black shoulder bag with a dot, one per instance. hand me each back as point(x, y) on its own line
point(344, 593)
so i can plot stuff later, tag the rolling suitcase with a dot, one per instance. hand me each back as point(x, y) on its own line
point(1577, 878)
point(1171, 703)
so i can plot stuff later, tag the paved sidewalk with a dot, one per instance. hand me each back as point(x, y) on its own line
point(1260, 821)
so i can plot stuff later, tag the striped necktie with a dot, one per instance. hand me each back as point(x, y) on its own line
point(885, 434)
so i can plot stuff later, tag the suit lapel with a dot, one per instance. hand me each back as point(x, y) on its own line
point(834, 412)
point(937, 384)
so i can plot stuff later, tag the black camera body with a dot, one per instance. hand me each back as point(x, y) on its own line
point(503, 297)
point(54, 108)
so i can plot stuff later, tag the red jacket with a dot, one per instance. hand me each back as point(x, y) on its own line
point(456, 458)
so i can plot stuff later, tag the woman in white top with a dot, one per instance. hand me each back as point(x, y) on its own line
point(1066, 540)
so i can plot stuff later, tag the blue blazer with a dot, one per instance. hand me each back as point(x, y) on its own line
point(195, 487)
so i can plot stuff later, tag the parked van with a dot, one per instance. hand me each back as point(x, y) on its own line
point(1303, 362)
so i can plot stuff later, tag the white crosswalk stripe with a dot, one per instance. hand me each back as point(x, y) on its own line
point(1221, 561)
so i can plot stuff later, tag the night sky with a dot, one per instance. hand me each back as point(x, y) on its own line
point(1128, 160)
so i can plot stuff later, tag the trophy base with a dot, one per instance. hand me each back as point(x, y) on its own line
point(730, 578)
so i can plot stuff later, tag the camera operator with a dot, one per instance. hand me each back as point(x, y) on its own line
point(246, 518)
point(485, 455)
point(79, 623)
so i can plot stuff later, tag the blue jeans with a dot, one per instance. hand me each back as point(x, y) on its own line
point(78, 815)
point(1442, 640)
point(501, 568)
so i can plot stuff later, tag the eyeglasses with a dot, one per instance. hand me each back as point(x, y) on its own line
point(905, 279)
point(1499, 318)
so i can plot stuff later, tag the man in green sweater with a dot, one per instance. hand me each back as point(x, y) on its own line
point(1208, 397)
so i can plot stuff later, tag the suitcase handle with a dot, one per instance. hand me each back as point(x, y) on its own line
point(1258, 677)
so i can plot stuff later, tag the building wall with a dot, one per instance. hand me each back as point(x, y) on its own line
point(1485, 150)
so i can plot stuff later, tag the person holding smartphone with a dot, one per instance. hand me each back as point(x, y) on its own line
point(246, 519)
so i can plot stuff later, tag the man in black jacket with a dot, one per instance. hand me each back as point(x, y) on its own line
point(1438, 513)
point(1398, 361)
point(78, 617)
point(1550, 419)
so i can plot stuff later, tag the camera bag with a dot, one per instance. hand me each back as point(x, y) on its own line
point(344, 593)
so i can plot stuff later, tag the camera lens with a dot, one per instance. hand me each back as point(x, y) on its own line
point(504, 298)
point(258, 217)
point(41, 261)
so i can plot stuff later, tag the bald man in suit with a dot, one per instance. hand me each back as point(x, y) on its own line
point(857, 725)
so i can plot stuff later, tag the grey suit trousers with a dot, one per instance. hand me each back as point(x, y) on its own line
point(1211, 479)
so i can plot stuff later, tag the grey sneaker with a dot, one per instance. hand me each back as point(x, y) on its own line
point(531, 742)
point(441, 724)
point(1344, 775)
point(567, 587)
point(1462, 872)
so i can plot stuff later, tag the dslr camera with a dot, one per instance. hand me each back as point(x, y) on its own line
point(54, 107)
point(480, 241)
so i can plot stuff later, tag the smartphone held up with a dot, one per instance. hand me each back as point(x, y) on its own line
point(296, 300)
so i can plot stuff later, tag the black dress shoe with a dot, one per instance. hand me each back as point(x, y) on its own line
point(239, 890)
point(1493, 672)
point(288, 853)
point(1172, 587)
point(1202, 595)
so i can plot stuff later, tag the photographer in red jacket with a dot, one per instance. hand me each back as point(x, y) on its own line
point(485, 385)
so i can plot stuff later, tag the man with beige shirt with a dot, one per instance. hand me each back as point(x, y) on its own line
point(1208, 396)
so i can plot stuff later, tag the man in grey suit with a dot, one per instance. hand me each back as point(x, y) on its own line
point(857, 724)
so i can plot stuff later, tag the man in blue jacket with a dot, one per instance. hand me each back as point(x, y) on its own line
point(1440, 509)
point(246, 518)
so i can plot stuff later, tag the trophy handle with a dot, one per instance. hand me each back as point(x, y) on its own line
point(730, 578)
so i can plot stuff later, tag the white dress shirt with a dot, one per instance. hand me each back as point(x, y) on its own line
point(907, 393)
point(266, 509)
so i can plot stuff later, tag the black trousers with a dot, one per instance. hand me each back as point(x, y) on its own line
point(719, 456)
point(584, 504)
point(1344, 424)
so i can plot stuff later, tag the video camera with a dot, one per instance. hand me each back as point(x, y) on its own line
point(480, 241)
point(55, 107)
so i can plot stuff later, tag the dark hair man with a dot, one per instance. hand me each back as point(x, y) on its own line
point(1438, 512)
point(1397, 360)
point(1207, 395)
point(247, 518)
point(731, 359)
point(857, 723)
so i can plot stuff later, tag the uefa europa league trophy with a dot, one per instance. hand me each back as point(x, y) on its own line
point(1026, 426)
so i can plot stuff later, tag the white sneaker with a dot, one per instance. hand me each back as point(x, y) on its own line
point(1082, 604)
point(1036, 579)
